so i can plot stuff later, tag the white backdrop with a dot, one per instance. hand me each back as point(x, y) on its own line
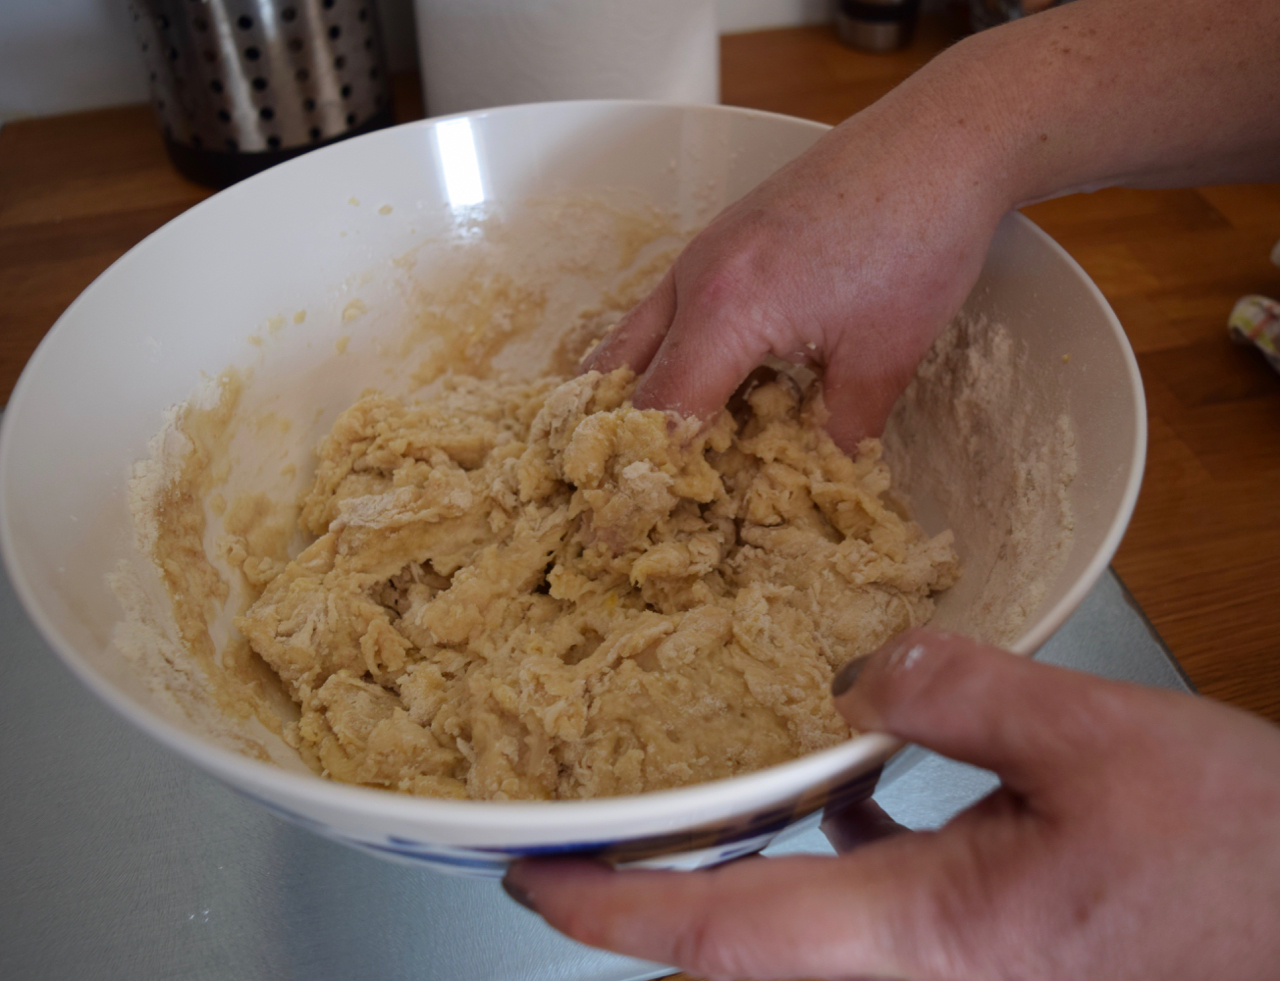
point(65, 55)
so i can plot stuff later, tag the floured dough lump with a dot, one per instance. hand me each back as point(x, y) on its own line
point(537, 591)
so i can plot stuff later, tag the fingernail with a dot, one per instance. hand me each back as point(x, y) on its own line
point(900, 652)
point(516, 892)
point(590, 355)
point(847, 676)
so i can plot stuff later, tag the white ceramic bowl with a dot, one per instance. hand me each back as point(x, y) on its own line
point(328, 234)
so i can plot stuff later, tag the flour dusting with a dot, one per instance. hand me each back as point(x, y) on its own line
point(998, 473)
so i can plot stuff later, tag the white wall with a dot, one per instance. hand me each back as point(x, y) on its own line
point(65, 55)
point(62, 55)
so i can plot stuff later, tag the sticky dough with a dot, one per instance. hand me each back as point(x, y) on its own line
point(539, 591)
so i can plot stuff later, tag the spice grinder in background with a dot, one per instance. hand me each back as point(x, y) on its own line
point(241, 85)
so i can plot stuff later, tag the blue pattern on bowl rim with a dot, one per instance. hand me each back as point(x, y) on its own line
point(690, 848)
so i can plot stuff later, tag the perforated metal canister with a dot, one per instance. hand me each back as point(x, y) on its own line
point(239, 85)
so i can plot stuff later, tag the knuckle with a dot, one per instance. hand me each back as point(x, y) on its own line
point(723, 270)
point(720, 286)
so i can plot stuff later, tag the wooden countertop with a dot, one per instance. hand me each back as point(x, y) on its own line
point(1202, 555)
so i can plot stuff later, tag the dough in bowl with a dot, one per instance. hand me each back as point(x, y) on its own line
point(536, 591)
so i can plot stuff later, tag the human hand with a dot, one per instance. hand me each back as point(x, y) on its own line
point(855, 255)
point(1134, 836)
point(852, 259)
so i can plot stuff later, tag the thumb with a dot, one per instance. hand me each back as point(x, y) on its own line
point(1033, 724)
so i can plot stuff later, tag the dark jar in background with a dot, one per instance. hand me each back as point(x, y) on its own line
point(241, 85)
point(876, 25)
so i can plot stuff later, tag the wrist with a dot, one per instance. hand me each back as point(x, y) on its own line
point(1009, 147)
point(954, 132)
point(1145, 93)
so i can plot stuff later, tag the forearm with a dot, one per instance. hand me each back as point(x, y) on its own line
point(1144, 93)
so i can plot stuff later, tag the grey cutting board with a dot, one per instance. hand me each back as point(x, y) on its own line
point(121, 861)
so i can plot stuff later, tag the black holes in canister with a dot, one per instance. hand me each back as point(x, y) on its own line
point(260, 83)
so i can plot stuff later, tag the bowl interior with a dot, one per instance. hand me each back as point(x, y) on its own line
point(1032, 453)
point(363, 264)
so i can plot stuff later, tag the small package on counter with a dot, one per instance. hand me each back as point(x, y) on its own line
point(1256, 320)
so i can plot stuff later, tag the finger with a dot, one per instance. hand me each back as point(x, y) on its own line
point(634, 339)
point(859, 824)
point(872, 913)
point(860, 387)
point(1035, 725)
point(700, 363)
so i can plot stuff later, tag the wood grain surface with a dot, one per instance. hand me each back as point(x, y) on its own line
point(1202, 555)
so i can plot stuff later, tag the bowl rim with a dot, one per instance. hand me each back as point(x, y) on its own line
point(533, 820)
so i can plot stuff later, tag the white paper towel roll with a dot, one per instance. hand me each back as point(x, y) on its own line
point(480, 53)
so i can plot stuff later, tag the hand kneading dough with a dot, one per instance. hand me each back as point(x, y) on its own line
point(538, 591)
